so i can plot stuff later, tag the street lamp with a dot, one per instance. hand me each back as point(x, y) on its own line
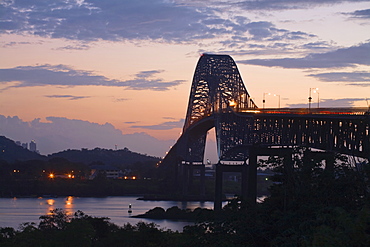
point(279, 99)
point(310, 98)
point(318, 97)
point(264, 101)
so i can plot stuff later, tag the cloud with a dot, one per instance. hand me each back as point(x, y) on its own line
point(144, 80)
point(259, 36)
point(12, 44)
point(69, 97)
point(362, 14)
point(60, 133)
point(79, 47)
point(108, 20)
point(62, 75)
point(120, 99)
point(319, 45)
point(287, 4)
point(156, 20)
point(344, 77)
point(163, 126)
point(344, 57)
point(335, 103)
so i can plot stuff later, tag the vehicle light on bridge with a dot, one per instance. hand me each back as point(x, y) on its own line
point(232, 103)
point(252, 111)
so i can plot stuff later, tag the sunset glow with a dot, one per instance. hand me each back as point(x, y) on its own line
point(96, 76)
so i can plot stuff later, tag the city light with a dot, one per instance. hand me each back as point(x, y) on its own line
point(232, 103)
point(264, 99)
point(309, 96)
point(279, 99)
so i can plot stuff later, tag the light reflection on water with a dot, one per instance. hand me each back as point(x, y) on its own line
point(14, 211)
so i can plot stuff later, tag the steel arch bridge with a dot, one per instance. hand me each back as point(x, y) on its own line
point(219, 99)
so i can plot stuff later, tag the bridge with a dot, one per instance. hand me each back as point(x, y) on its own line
point(218, 99)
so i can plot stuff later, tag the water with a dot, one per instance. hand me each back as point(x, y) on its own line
point(15, 211)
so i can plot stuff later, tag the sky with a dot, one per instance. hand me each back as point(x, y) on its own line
point(113, 74)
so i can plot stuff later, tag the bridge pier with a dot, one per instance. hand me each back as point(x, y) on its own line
point(249, 173)
point(248, 184)
point(186, 177)
point(218, 187)
point(251, 193)
point(202, 180)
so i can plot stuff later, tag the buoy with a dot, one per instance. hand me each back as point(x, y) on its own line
point(129, 209)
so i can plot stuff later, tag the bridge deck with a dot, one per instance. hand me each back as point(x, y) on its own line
point(301, 111)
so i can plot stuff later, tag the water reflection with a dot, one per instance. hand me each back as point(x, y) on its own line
point(191, 205)
point(68, 207)
point(116, 208)
point(55, 203)
point(51, 203)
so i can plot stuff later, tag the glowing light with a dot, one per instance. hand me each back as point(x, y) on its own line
point(69, 200)
point(134, 177)
point(51, 175)
point(232, 103)
point(50, 202)
point(252, 111)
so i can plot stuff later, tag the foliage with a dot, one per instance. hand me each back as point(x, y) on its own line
point(316, 200)
point(175, 213)
point(60, 229)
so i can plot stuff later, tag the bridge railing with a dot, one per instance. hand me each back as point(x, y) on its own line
point(325, 111)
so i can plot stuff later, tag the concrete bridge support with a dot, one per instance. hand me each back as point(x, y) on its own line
point(186, 178)
point(249, 173)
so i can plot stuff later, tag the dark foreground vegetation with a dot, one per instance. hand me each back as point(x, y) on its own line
point(312, 204)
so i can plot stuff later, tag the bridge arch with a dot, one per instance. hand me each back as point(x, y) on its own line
point(219, 99)
point(217, 85)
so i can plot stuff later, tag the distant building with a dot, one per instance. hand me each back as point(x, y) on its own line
point(110, 172)
point(33, 146)
point(25, 145)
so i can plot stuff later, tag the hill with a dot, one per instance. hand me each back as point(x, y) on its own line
point(106, 156)
point(11, 152)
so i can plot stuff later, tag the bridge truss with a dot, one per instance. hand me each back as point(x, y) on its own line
point(219, 99)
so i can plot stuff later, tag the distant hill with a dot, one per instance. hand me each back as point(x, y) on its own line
point(11, 152)
point(107, 156)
